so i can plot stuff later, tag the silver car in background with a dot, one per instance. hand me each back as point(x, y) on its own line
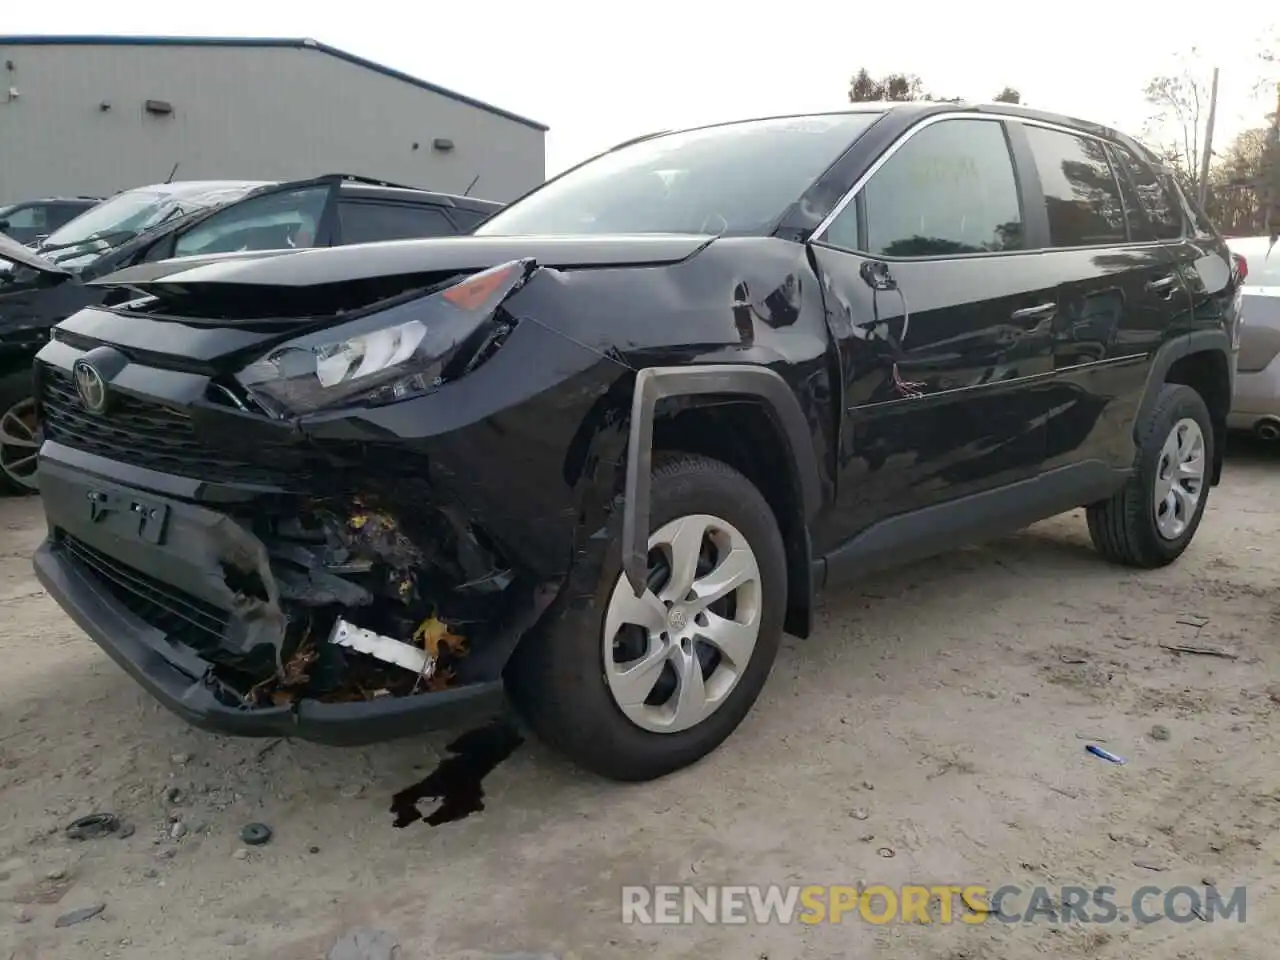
point(1256, 404)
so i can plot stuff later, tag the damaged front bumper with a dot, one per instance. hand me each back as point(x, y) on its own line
point(185, 598)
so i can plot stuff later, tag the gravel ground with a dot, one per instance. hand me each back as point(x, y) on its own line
point(940, 713)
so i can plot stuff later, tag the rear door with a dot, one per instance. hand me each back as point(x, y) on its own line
point(1117, 294)
point(1201, 258)
point(942, 321)
point(369, 221)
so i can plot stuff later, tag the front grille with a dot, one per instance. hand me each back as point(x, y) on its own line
point(139, 432)
point(182, 617)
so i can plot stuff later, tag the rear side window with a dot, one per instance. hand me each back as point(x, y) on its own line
point(1081, 195)
point(948, 190)
point(364, 222)
point(1162, 212)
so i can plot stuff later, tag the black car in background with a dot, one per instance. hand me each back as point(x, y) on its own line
point(40, 287)
point(604, 450)
point(33, 220)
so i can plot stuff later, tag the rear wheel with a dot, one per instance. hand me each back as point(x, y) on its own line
point(1151, 521)
point(19, 443)
point(660, 680)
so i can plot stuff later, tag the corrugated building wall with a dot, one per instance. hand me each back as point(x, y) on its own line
point(87, 115)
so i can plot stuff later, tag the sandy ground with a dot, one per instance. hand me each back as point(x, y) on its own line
point(940, 713)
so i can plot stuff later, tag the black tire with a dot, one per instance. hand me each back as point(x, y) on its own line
point(559, 681)
point(15, 388)
point(1123, 529)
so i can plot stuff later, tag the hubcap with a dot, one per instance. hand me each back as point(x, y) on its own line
point(674, 654)
point(19, 444)
point(1179, 478)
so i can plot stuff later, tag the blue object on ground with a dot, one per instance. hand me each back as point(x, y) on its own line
point(1104, 754)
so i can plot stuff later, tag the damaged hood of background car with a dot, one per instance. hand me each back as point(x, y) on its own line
point(332, 265)
point(14, 252)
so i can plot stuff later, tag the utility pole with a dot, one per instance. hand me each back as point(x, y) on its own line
point(1208, 142)
point(1271, 217)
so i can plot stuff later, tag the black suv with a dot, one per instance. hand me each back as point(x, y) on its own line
point(608, 448)
point(49, 283)
point(31, 220)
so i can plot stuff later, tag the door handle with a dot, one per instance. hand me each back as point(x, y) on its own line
point(1038, 312)
point(1162, 285)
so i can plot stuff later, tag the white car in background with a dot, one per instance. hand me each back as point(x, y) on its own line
point(1256, 404)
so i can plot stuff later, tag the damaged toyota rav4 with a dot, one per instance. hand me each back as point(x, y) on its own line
point(599, 455)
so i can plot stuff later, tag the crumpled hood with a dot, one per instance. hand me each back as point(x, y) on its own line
point(14, 252)
point(329, 265)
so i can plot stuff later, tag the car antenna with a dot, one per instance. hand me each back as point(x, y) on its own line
point(467, 192)
point(169, 179)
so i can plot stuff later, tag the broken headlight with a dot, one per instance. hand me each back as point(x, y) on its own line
point(396, 353)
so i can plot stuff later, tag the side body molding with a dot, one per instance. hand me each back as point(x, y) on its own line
point(657, 383)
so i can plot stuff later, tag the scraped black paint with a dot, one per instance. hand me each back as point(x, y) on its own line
point(457, 783)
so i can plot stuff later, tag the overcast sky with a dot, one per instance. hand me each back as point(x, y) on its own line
point(598, 73)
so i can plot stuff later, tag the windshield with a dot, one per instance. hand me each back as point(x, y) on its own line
point(128, 214)
point(734, 178)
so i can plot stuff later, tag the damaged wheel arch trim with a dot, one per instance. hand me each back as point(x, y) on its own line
point(654, 384)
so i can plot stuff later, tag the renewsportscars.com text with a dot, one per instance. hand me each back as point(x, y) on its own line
point(667, 905)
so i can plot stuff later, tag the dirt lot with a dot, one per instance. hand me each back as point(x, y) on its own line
point(940, 712)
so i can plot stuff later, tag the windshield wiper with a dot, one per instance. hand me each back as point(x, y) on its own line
point(92, 238)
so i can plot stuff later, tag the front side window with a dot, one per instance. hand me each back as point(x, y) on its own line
point(736, 178)
point(26, 218)
point(271, 221)
point(948, 190)
point(1081, 195)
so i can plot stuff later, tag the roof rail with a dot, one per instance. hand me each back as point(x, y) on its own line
point(370, 181)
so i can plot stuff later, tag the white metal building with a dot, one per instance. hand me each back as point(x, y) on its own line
point(93, 115)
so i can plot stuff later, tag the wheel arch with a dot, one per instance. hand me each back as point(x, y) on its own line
point(767, 392)
point(1202, 360)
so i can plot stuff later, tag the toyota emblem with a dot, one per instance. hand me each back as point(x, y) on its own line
point(91, 387)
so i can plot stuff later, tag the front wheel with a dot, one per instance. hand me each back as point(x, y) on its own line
point(19, 441)
point(660, 680)
point(1151, 521)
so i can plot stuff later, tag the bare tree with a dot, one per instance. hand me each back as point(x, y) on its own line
point(1181, 102)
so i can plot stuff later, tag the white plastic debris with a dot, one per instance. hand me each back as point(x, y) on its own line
point(387, 649)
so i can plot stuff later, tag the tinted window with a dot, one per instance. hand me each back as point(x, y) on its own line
point(467, 220)
point(63, 213)
point(733, 178)
point(1162, 213)
point(1081, 195)
point(370, 222)
point(271, 221)
point(949, 189)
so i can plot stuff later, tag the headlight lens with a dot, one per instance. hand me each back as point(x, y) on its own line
point(400, 352)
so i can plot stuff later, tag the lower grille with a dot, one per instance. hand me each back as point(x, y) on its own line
point(138, 432)
point(182, 617)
